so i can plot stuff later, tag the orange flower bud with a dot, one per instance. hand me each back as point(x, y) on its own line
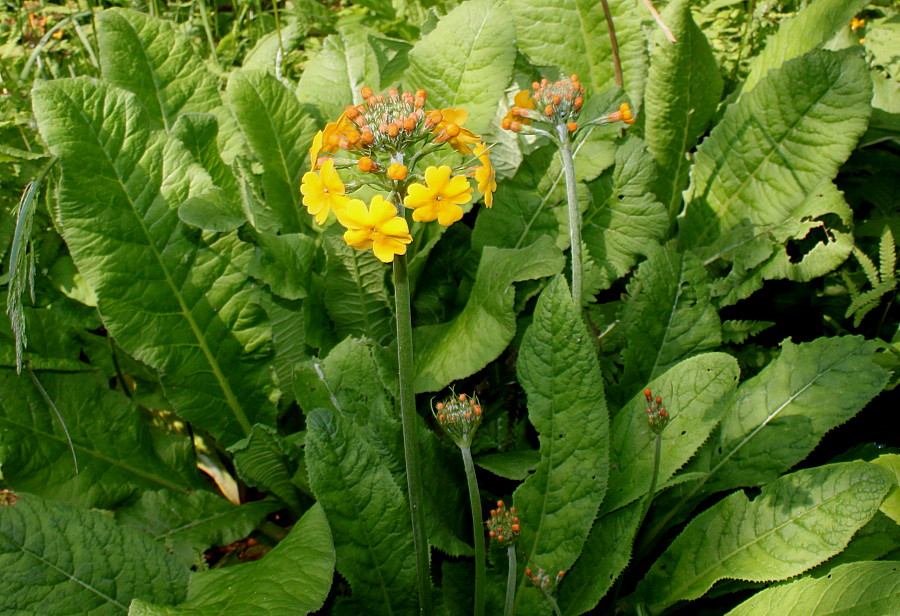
point(574, 78)
point(535, 85)
point(500, 503)
point(393, 129)
point(366, 92)
point(528, 572)
point(420, 93)
point(557, 99)
point(393, 94)
point(366, 164)
point(439, 406)
point(579, 102)
point(452, 130)
point(351, 112)
point(435, 117)
point(368, 138)
point(548, 111)
point(353, 137)
point(506, 124)
point(462, 397)
point(397, 171)
point(334, 141)
point(515, 528)
point(572, 126)
point(477, 410)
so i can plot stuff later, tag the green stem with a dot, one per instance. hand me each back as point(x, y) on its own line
point(410, 437)
point(552, 602)
point(614, 43)
point(477, 531)
point(565, 148)
point(510, 607)
point(204, 17)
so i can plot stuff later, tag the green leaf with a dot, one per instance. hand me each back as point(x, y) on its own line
point(487, 324)
point(809, 29)
point(683, 90)
point(691, 391)
point(737, 331)
point(776, 146)
point(269, 462)
point(794, 524)
point(112, 464)
point(624, 220)
point(356, 293)
point(368, 513)
point(268, 48)
point(293, 578)
point(173, 298)
point(61, 559)
point(667, 316)
point(854, 589)
point(559, 371)
point(189, 524)
point(776, 418)
point(891, 505)
point(279, 132)
point(873, 541)
point(605, 555)
point(466, 60)
point(146, 56)
point(283, 262)
point(510, 464)
point(573, 35)
point(198, 133)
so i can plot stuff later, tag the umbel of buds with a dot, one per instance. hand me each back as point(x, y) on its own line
point(503, 525)
point(542, 580)
point(459, 416)
point(657, 416)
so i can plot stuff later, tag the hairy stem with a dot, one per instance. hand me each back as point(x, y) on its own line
point(617, 62)
point(510, 607)
point(565, 148)
point(477, 531)
point(410, 438)
point(553, 604)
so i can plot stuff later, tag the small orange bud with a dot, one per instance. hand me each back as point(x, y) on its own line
point(439, 406)
point(572, 126)
point(557, 99)
point(353, 137)
point(393, 94)
point(535, 85)
point(515, 528)
point(441, 417)
point(409, 124)
point(366, 92)
point(397, 171)
point(462, 397)
point(579, 102)
point(435, 117)
point(500, 503)
point(506, 124)
point(351, 112)
point(492, 534)
point(393, 129)
point(528, 572)
point(512, 509)
point(334, 141)
point(574, 77)
point(368, 138)
point(477, 410)
point(648, 394)
point(366, 164)
point(548, 110)
point(452, 130)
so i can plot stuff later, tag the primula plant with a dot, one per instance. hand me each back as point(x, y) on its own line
point(483, 307)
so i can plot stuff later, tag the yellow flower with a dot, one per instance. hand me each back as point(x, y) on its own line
point(522, 100)
point(441, 198)
point(377, 227)
point(323, 192)
point(315, 149)
point(340, 134)
point(485, 175)
point(459, 138)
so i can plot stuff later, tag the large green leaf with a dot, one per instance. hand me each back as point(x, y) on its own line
point(683, 90)
point(368, 513)
point(776, 418)
point(667, 316)
point(146, 56)
point(112, 464)
point(279, 132)
point(172, 297)
point(293, 578)
point(809, 29)
point(356, 292)
point(59, 560)
point(775, 146)
point(466, 60)
point(487, 324)
point(623, 220)
point(855, 589)
point(692, 392)
point(266, 460)
point(573, 36)
point(797, 522)
point(189, 524)
point(559, 371)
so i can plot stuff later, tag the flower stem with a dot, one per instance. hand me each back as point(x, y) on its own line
point(410, 437)
point(614, 42)
point(553, 604)
point(510, 607)
point(477, 530)
point(568, 162)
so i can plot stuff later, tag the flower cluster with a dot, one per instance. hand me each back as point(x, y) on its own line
point(657, 416)
point(557, 104)
point(503, 525)
point(384, 138)
point(542, 580)
point(459, 416)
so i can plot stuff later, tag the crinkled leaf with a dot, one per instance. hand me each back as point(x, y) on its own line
point(796, 522)
point(293, 578)
point(559, 371)
point(279, 132)
point(510, 464)
point(624, 220)
point(691, 391)
point(269, 462)
point(146, 56)
point(573, 35)
point(466, 60)
point(356, 293)
point(891, 505)
point(854, 589)
point(61, 559)
point(776, 418)
point(737, 331)
point(683, 89)
point(283, 262)
point(172, 297)
point(873, 541)
point(478, 335)
point(198, 132)
point(368, 513)
point(189, 524)
point(809, 29)
point(112, 443)
point(775, 147)
point(667, 316)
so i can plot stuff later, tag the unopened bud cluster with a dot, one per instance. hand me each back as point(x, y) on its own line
point(542, 580)
point(657, 416)
point(503, 525)
point(459, 416)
